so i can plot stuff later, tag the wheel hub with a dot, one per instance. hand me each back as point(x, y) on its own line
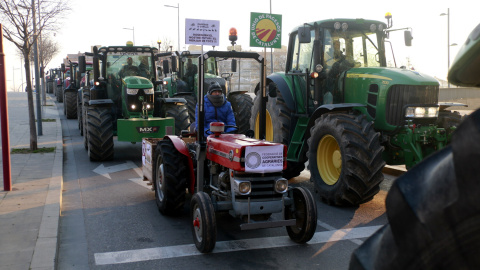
point(159, 183)
point(197, 225)
point(329, 159)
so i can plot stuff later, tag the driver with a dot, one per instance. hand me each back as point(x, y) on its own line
point(217, 109)
point(129, 69)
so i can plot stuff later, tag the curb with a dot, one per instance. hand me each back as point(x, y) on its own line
point(46, 248)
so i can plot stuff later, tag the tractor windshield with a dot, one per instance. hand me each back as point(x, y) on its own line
point(120, 66)
point(189, 68)
point(359, 48)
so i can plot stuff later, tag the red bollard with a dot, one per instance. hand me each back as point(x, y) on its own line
point(7, 174)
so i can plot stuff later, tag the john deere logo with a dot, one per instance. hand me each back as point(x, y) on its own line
point(265, 30)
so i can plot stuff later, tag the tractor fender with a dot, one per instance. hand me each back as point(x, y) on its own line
point(235, 93)
point(100, 102)
point(445, 105)
point(173, 100)
point(181, 147)
point(329, 108)
point(283, 84)
point(70, 89)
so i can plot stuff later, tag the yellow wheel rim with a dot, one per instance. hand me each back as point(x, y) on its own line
point(329, 160)
point(268, 127)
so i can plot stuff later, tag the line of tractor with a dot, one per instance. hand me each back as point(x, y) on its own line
point(337, 107)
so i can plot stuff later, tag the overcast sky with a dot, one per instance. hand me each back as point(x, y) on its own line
point(102, 22)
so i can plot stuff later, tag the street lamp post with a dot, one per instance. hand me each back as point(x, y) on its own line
point(133, 30)
point(448, 40)
point(37, 72)
point(178, 23)
point(159, 42)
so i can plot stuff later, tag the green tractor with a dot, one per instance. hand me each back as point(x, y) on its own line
point(122, 100)
point(183, 83)
point(339, 107)
point(51, 78)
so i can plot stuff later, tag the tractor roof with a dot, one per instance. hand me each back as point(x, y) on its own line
point(352, 23)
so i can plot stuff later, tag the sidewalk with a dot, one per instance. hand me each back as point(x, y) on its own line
point(30, 213)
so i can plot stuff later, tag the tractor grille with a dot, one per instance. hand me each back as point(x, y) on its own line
point(262, 189)
point(401, 95)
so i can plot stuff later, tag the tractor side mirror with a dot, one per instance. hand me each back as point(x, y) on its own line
point(234, 65)
point(408, 38)
point(166, 68)
point(82, 67)
point(174, 64)
point(304, 34)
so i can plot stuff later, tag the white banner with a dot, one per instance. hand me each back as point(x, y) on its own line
point(264, 159)
point(202, 32)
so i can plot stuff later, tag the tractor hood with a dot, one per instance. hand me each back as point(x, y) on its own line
point(390, 76)
point(136, 82)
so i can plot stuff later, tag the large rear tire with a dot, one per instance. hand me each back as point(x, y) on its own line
point(278, 127)
point(204, 226)
point(85, 100)
point(70, 104)
point(179, 113)
point(345, 159)
point(304, 210)
point(433, 211)
point(170, 178)
point(100, 133)
point(59, 94)
point(242, 108)
point(191, 105)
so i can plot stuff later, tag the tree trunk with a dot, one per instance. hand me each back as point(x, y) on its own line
point(31, 114)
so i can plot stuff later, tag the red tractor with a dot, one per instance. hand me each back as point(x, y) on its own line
point(231, 173)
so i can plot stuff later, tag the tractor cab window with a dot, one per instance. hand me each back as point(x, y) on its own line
point(359, 48)
point(189, 70)
point(211, 66)
point(302, 58)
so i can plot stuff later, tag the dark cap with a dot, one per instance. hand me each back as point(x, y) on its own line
point(214, 86)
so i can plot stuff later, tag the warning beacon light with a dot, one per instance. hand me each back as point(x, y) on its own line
point(233, 35)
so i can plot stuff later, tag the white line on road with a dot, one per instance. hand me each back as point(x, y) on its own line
point(159, 253)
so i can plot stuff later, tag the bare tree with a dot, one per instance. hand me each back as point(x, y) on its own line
point(18, 23)
point(166, 45)
point(47, 49)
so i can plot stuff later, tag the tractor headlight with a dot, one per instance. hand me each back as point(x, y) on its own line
point(148, 91)
point(132, 91)
point(281, 185)
point(421, 112)
point(243, 187)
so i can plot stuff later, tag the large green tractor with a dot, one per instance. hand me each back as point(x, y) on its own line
point(122, 101)
point(339, 107)
point(183, 82)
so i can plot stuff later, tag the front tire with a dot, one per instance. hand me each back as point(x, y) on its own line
point(345, 159)
point(204, 226)
point(100, 133)
point(170, 178)
point(304, 210)
point(449, 121)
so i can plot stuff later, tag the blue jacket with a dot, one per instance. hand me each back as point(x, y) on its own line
point(223, 114)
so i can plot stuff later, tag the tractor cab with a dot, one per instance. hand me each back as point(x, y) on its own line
point(130, 79)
